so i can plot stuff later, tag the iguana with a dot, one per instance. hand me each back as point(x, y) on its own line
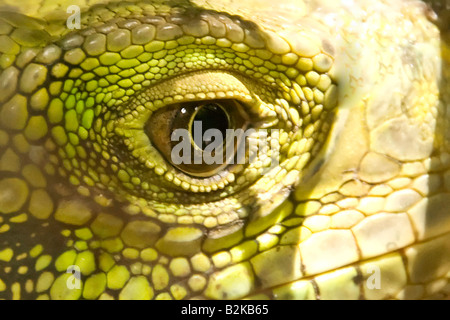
point(348, 200)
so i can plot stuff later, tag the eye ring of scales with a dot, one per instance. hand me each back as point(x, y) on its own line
point(356, 94)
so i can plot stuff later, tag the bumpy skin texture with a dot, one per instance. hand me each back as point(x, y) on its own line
point(356, 208)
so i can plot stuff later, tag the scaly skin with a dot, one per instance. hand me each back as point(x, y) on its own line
point(356, 208)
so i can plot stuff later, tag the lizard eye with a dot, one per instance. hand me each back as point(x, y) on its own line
point(193, 136)
point(208, 132)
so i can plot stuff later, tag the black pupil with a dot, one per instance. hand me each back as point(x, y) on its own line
point(212, 117)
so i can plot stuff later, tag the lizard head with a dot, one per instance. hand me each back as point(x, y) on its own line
point(178, 149)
